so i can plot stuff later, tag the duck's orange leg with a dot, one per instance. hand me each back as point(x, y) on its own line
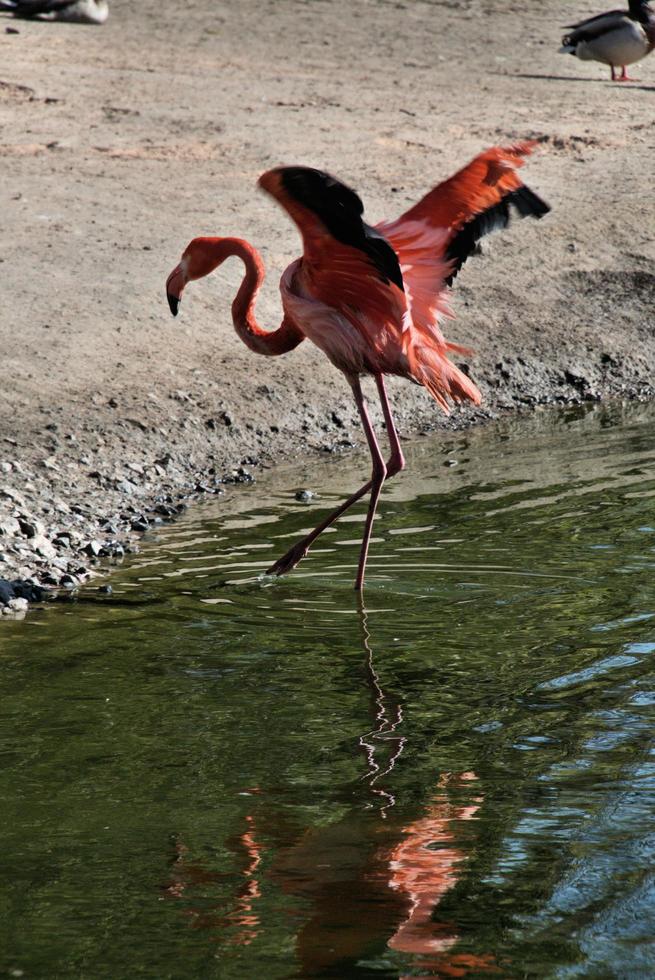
point(623, 77)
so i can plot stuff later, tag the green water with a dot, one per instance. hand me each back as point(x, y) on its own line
point(211, 775)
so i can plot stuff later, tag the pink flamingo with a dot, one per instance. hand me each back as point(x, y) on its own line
point(370, 297)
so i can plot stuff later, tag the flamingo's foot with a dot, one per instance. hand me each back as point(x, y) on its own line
point(289, 561)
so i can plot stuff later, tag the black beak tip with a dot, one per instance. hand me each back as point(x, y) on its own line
point(173, 302)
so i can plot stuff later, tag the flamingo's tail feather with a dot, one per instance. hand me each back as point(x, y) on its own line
point(458, 349)
point(443, 379)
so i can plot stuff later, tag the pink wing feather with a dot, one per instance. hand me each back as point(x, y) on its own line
point(390, 283)
point(425, 240)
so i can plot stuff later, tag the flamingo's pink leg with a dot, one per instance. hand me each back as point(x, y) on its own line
point(395, 464)
point(396, 461)
point(377, 479)
point(381, 471)
point(298, 551)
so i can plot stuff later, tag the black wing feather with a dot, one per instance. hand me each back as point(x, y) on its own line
point(465, 242)
point(340, 209)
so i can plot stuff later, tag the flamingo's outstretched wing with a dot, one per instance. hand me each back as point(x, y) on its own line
point(451, 219)
point(346, 263)
point(436, 236)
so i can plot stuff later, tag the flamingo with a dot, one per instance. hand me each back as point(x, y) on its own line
point(370, 297)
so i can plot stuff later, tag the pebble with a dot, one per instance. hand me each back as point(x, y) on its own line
point(305, 495)
point(93, 549)
point(20, 589)
point(42, 546)
point(14, 495)
point(31, 529)
point(126, 486)
point(6, 592)
point(240, 475)
point(9, 526)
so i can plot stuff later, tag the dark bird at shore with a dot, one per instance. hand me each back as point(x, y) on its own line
point(617, 38)
point(370, 298)
point(72, 11)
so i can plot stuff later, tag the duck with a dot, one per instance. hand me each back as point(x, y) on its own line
point(73, 11)
point(616, 38)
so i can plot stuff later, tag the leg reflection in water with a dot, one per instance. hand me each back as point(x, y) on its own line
point(383, 739)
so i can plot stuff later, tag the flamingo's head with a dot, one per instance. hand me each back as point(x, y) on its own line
point(200, 257)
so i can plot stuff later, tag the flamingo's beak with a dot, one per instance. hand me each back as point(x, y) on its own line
point(174, 287)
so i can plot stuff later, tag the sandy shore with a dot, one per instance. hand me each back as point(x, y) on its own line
point(120, 143)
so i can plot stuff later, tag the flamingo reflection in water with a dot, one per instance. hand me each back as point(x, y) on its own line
point(193, 877)
point(368, 879)
point(424, 866)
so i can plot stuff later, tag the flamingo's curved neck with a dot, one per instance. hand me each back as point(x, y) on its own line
point(279, 341)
